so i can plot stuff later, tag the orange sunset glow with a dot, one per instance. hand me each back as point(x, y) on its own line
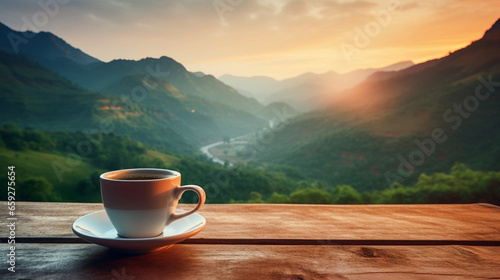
point(279, 39)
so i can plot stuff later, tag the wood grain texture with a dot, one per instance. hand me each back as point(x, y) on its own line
point(466, 222)
point(86, 261)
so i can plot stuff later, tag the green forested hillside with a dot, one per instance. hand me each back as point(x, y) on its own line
point(32, 95)
point(54, 166)
point(103, 75)
point(398, 125)
point(67, 165)
point(461, 185)
point(156, 114)
point(199, 119)
point(156, 101)
point(41, 47)
point(35, 97)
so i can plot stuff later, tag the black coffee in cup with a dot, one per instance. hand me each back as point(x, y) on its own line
point(140, 176)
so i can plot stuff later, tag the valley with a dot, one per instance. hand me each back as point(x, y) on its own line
point(378, 135)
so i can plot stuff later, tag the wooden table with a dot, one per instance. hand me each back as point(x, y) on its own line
point(266, 241)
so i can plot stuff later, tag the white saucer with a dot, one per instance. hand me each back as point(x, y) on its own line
point(97, 228)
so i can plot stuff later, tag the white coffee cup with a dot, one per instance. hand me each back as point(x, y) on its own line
point(140, 202)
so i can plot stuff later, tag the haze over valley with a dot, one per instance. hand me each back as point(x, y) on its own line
point(408, 131)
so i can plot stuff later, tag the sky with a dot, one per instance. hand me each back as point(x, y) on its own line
point(279, 39)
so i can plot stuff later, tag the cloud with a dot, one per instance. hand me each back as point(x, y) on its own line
point(250, 36)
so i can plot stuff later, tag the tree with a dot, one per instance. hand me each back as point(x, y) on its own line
point(85, 186)
point(279, 198)
point(463, 185)
point(310, 196)
point(36, 189)
point(13, 137)
point(255, 197)
point(345, 195)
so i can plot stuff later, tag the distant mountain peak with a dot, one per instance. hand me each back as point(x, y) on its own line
point(4, 27)
point(257, 77)
point(494, 28)
point(398, 66)
point(165, 57)
point(164, 61)
point(278, 112)
point(199, 74)
point(43, 47)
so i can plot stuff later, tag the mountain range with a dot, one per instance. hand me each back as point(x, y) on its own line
point(304, 92)
point(379, 127)
point(55, 54)
point(394, 126)
point(42, 47)
point(48, 84)
point(35, 97)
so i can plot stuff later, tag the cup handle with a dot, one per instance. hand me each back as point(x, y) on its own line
point(201, 201)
